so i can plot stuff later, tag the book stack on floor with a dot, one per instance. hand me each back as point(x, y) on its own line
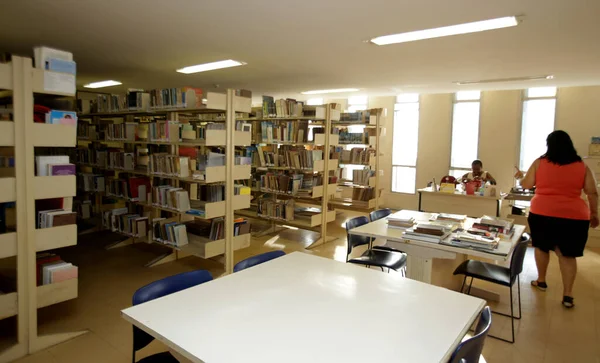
point(398, 222)
point(50, 268)
point(426, 232)
point(501, 227)
point(170, 232)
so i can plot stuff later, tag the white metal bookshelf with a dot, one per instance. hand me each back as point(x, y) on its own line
point(20, 78)
point(199, 246)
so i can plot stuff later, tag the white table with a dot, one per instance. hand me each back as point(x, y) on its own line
point(303, 308)
point(420, 254)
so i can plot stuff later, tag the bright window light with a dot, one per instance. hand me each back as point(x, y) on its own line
point(338, 90)
point(102, 84)
point(465, 134)
point(314, 101)
point(405, 144)
point(538, 122)
point(477, 26)
point(468, 95)
point(210, 66)
point(541, 92)
point(407, 97)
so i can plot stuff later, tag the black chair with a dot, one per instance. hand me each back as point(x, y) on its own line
point(378, 214)
point(154, 290)
point(469, 351)
point(372, 257)
point(257, 260)
point(505, 276)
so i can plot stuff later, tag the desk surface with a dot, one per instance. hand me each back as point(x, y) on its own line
point(461, 195)
point(303, 308)
point(379, 229)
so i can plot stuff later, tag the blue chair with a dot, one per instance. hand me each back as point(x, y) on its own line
point(154, 290)
point(371, 257)
point(257, 260)
point(505, 276)
point(469, 351)
point(378, 214)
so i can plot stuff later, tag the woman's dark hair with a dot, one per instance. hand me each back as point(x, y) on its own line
point(560, 149)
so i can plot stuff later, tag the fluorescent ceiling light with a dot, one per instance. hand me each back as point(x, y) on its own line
point(339, 90)
point(477, 26)
point(102, 84)
point(499, 80)
point(210, 66)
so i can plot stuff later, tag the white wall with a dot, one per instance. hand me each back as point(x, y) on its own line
point(578, 113)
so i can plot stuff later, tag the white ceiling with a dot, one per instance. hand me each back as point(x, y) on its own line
point(293, 46)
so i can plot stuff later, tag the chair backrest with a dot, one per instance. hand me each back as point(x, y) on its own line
point(354, 240)
point(378, 214)
point(257, 260)
point(160, 288)
point(518, 256)
point(469, 351)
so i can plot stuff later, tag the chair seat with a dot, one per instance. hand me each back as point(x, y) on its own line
point(485, 271)
point(381, 258)
point(164, 357)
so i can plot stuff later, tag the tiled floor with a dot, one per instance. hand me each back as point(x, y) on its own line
point(108, 278)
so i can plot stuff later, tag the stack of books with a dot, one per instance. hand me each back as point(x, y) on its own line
point(50, 268)
point(504, 227)
point(398, 222)
point(169, 232)
point(427, 232)
point(471, 240)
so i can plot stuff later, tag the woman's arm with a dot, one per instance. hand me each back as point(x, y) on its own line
point(590, 189)
point(529, 181)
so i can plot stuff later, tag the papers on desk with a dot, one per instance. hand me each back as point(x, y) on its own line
point(455, 218)
point(475, 241)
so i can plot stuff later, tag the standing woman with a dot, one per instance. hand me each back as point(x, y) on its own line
point(559, 218)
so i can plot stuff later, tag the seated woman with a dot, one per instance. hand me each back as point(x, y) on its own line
point(478, 173)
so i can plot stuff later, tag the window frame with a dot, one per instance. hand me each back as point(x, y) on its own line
point(457, 101)
point(414, 167)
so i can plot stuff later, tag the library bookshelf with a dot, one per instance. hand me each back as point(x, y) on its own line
point(20, 185)
point(223, 108)
point(272, 134)
point(360, 195)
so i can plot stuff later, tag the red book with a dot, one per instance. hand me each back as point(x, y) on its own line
point(188, 151)
point(134, 184)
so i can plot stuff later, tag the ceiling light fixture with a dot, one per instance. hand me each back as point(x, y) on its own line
point(211, 66)
point(445, 31)
point(339, 90)
point(499, 80)
point(102, 84)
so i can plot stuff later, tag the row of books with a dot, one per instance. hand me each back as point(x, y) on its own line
point(281, 108)
point(362, 176)
point(7, 161)
point(363, 194)
point(288, 156)
point(55, 217)
point(125, 131)
point(357, 155)
point(54, 165)
point(50, 269)
point(86, 131)
point(185, 97)
point(357, 117)
point(289, 183)
point(169, 232)
point(353, 137)
point(109, 103)
point(284, 131)
point(277, 209)
point(170, 165)
point(132, 188)
point(215, 230)
point(131, 221)
point(171, 197)
point(91, 182)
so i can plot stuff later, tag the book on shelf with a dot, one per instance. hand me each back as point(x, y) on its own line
point(203, 131)
point(50, 268)
point(61, 169)
point(42, 163)
point(183, 97)
point(91, 182)
point(121, 132)
point(171, 197)
point(57, 117)
point(169, 232)
point(138, 100)
point(164, 131)
point(170, 165)
point(276, 209)
point(215, 229)
point(284, 131)
point(56, 217)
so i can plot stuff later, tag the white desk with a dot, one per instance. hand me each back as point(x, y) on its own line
point(303, 308)
point(458, 203)
point(420, 254)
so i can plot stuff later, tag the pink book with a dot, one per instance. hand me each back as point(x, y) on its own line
point(64, 274)
point(61, 169)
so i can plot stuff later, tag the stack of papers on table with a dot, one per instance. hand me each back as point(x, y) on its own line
point(469, 240)
point(455, 218)
point(424, 232)
point(402, 223)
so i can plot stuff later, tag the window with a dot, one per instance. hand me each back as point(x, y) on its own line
point(465, 132)
point(539, 106)
point(314, 101)
point(357, 103)
point(405, 143)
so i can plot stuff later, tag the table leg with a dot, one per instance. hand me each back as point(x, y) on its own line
point(419, 269)
point(179, 357)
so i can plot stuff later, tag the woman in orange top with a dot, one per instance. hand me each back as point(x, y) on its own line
point(559, 218)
